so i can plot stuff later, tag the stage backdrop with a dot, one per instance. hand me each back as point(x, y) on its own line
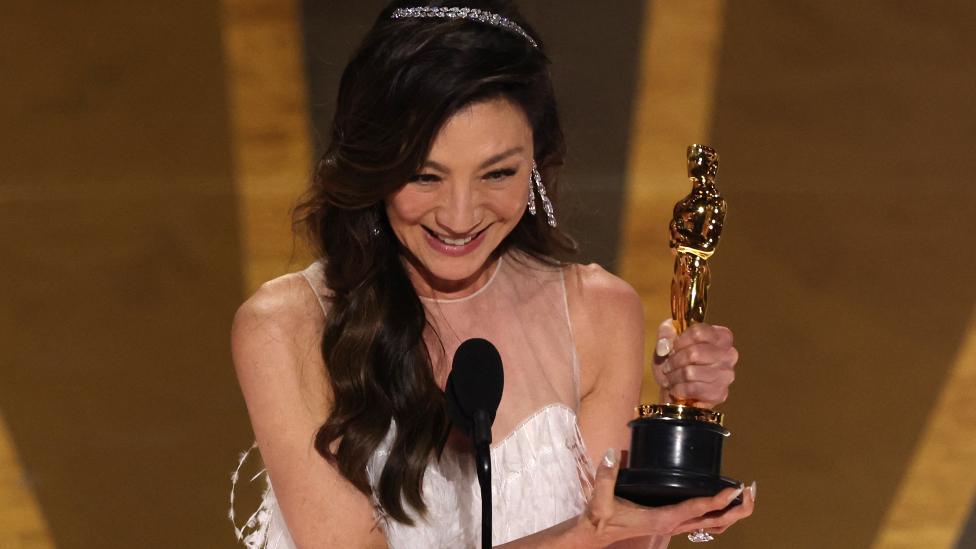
point(152, 151)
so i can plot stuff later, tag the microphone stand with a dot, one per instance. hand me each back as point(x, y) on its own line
point(482, 456)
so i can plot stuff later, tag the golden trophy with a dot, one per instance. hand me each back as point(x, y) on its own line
point(676, 448)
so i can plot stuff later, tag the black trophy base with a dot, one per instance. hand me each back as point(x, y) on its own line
point(656, 487)
point(675, 454)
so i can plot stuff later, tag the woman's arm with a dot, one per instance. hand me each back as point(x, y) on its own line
point(608, 327)
point(275, 341)
point(611, 522)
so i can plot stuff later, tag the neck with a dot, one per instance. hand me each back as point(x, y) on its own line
point(429, 286)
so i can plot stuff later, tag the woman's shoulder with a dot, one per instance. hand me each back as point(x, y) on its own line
point(597, 289)
point(275, 335)
point(588, 286)
point(283, 316)
point(289, 299)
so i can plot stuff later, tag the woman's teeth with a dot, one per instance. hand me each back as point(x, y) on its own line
point(455, 241)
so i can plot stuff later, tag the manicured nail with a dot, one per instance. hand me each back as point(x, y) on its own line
point(663, 347)
point(610, 459)
point(737, 493)
point(752, 491)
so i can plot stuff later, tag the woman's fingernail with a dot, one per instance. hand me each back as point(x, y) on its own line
point(663, 347)
point(752, 491)
point(610, 459)
point(737, 493)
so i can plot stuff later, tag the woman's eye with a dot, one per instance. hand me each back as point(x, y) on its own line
point(499, 175)
point(424, 178)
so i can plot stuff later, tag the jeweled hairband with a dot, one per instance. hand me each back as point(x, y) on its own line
point(471, 14)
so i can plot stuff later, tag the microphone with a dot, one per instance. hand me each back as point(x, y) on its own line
point(473, 391)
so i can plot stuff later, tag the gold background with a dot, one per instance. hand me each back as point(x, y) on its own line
point(151, 152)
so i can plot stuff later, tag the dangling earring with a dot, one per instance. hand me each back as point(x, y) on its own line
point(536, 179)
point(531, 192)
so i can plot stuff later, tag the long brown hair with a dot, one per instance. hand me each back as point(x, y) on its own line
point(405, 80)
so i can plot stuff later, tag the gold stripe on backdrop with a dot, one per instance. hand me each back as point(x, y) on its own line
point(21, 522)
point(269, 123)
point(936, 495)
point(673, 109)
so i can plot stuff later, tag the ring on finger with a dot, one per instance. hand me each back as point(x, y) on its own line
point(700, 536)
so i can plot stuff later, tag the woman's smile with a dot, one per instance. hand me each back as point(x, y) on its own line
point(455, 246)
point(468, 195)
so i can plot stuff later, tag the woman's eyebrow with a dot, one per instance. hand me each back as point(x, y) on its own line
point(496, 158)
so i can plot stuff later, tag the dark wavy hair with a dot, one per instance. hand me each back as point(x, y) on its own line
point(405, 80)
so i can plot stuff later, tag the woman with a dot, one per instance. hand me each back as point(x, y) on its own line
point(433, 211)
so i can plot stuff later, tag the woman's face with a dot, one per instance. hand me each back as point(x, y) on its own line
point(467, 196)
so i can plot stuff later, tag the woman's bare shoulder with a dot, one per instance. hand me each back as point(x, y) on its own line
point(288, 303)
point(597, 292)
point(276, 338)
point(289, 300)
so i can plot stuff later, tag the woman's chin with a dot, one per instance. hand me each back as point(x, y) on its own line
point(453, 279)
point(454, 275)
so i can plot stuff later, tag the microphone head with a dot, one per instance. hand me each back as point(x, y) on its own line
point(475, 383)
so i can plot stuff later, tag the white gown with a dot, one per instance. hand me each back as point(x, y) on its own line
point(540, 473)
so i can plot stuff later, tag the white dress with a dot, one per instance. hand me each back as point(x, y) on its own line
point(540, 473)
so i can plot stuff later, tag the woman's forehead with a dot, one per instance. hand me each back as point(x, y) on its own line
point(479, 132)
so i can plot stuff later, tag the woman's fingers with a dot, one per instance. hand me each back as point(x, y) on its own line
point(707, 394)
point(717, 523)
point(723, 520)
point(704, 333)
point(695, 508)
point(701, 371)
point(601, 506)
point(702, 354)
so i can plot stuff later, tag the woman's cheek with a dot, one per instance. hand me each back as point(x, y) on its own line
point(409, 206)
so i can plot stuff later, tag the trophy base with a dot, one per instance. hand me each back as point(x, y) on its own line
point(658, 487)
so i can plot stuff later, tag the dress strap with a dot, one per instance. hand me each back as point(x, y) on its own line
point(569, 323)
point(314, 275)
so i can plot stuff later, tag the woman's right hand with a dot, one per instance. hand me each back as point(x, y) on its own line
point(609, 519)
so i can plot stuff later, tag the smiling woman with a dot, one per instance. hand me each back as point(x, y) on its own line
point(423, 209)
point(471, 192)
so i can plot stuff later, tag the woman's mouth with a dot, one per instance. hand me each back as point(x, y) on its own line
point(454, 246)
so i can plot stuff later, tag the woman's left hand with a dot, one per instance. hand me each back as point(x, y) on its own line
point(698, 365)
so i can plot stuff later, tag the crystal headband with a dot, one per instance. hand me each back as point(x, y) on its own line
point(471, 14)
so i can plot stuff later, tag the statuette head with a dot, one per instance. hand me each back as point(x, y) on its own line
point(702, 163)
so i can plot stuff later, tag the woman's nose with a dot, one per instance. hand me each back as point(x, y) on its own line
point(459, 211)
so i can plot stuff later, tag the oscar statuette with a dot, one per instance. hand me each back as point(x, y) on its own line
point(676, 448)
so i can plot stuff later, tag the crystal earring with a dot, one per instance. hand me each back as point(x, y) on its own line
point(546, 203)
point(531, 192)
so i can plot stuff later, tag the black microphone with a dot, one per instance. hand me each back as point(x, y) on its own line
point(473, 391)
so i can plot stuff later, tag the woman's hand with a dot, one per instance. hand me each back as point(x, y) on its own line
point(698, 365)
point(609, 519)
